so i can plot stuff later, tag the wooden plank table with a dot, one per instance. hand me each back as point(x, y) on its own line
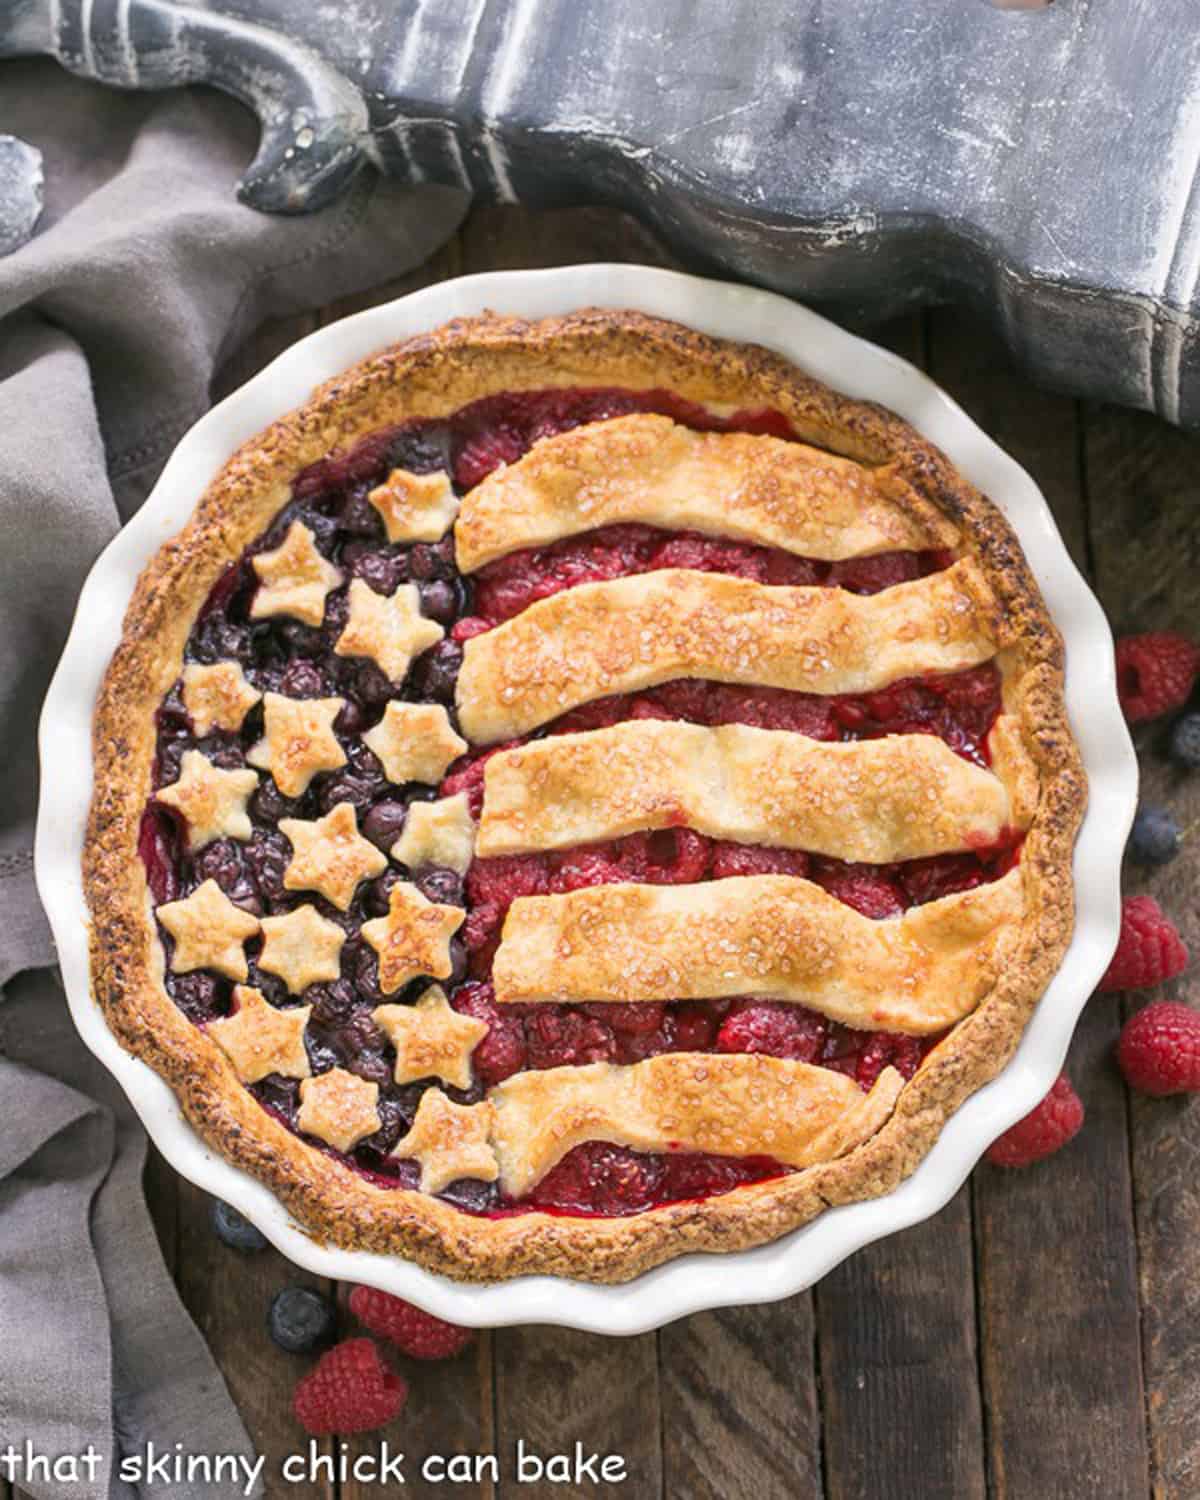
point(1036, 1340)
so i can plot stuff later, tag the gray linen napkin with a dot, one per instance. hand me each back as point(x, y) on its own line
point(144, 274)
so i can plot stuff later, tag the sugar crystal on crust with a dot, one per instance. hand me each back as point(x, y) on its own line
point(217, 696)
point(413, 938)
point(259, 1039)
point(330, 855)
point(302, 947)
point(211, 800)
point(432, 1040)
point(210, 932)
point(298, 741)
point(414, 742)
point(339, 1108)
point(295, 579)
point(390, 629)
point(450, 1141)
point(415, 507)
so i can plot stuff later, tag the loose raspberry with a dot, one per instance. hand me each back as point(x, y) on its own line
point(417, 1334)
point(1149, 949)
point(755, 859)
point(695, 1027)
point(501, 1053)
point(636, 1046)
point(772, 708)
point(485, 451)
point(636, 1018)
point(684, 698)
point(1043, 1131)
point(600, 1178)
point(558, 1037)
point(784, 570)
point(583, 867)
point(669, 856)
point(885, 1049)
point(481, 931)
point(939, 875)
point(869, 575)
point(867, 888)
point(1155, 673)
point(712, 555)
point(350, 1390)
point(504, 877)
point(469, 627)
point(645, 706)
point(775, 1028)
point(1159, 1049)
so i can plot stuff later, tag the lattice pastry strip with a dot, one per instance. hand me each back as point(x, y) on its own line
point(648, 469)
point(901, 797)
point(632, 633)
point(771, 935)
point(745, 1104)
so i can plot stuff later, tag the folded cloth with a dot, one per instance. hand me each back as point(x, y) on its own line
point(144, 274)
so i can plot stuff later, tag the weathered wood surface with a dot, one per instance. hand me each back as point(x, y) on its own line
point(1035, 1341)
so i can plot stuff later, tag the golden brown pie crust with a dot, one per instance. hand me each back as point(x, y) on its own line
point(429, 376)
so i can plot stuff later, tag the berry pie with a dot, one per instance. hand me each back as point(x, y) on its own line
point(576, 793)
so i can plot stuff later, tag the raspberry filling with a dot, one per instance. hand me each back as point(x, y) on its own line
point(510, 584)
point(286, 656)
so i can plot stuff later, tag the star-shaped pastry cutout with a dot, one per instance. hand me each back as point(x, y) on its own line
point(415, 507)
point(295, 578)
point(437, 833)
point(302, 947)
point(431, 1039)
point(209, 932)
point(390, 629)
point(339, 1108)
point(298, 741)
point(217, 696)
point(330, 855)
point(258, 1039)
point(450, 1141)
point(211, 801)
point(415, 742)
point(414, 937)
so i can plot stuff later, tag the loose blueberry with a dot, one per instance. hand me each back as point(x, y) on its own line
point(378, 898)
point(1155, 836)
point(198, 995)
point(439, 601)
point(304, 640)
point(429, 560)
point(442, 886)
point(1184, 744)
point(332, 1003)
point(302, 680)
point(435, 672)
point(232, 1230)
point(458, 962)
point(269, 804)
point(300, 1319)
point(384, 823)
point(371, 684)
point(358, 515)
point(380, 570)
